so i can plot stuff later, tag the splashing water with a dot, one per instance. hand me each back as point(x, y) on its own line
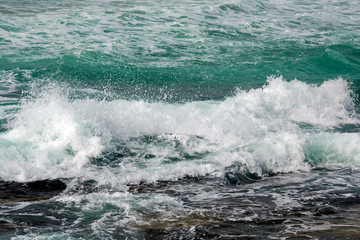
point(161, 123)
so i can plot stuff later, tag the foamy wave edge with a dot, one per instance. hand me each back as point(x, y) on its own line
point(260, 131)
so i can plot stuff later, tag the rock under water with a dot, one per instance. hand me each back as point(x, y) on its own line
point(30, 191)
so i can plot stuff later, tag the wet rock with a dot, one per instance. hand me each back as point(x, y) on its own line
point(219, 230)
point(7, 226)
point(143, 187)
point(348, 201)
point(162, 186)
point(30, 191)
point(325, 210)
point(85, 187)
point(270, 221)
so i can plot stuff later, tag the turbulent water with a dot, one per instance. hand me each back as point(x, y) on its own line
point(187, 119)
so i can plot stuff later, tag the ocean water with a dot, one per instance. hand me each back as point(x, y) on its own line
point(193, 119)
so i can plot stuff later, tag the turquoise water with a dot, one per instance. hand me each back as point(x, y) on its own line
point(157, 113)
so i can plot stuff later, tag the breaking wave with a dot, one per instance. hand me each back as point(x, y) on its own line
point(281, 127)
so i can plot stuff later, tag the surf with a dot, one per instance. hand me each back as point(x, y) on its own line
point(273, 129)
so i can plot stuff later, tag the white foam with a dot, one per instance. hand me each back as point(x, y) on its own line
point(55, 137)
point(47, 141)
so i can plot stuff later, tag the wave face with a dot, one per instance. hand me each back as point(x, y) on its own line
point(279, 128)
point(172, 119)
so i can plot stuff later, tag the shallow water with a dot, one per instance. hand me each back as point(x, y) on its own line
point(168, 120)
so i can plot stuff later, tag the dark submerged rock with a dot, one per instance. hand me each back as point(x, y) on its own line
point(30, 191)
point(7, 226)
point(325, 210)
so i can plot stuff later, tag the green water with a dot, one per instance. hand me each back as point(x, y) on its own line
point(191, 50)
point(181, 119)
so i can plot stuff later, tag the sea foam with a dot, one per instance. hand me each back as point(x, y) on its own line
point(272, 129)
